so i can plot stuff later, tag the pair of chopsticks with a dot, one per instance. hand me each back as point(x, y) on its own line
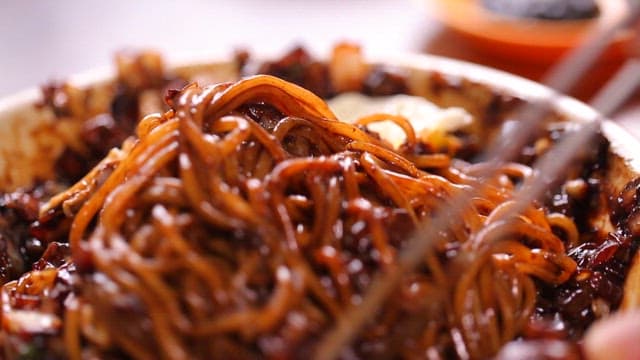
point(547, 170)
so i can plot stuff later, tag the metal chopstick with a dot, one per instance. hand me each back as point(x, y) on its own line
point(550, 166)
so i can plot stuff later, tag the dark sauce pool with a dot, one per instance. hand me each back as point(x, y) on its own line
point(544, 9)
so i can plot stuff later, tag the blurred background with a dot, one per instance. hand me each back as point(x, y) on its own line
point(43, 40)
point(51, 40)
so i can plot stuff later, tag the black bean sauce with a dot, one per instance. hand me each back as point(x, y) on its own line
point(545, 9)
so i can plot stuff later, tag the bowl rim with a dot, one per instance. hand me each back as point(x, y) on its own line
point(622, 142)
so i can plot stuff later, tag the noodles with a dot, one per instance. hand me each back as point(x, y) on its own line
point(219, 234)
point(242, 220)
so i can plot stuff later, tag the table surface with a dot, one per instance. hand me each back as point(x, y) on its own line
point(46, 40)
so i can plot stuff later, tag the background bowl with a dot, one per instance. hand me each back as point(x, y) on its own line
point(531, 40)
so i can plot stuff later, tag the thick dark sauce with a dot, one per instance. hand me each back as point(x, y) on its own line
point(545, 9)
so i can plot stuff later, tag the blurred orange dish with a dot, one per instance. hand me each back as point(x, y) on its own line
point(528, 39)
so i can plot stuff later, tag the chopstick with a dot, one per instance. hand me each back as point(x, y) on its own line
point(550, 167)
point(618, 90)
point(546, 170)
point(561, 78)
